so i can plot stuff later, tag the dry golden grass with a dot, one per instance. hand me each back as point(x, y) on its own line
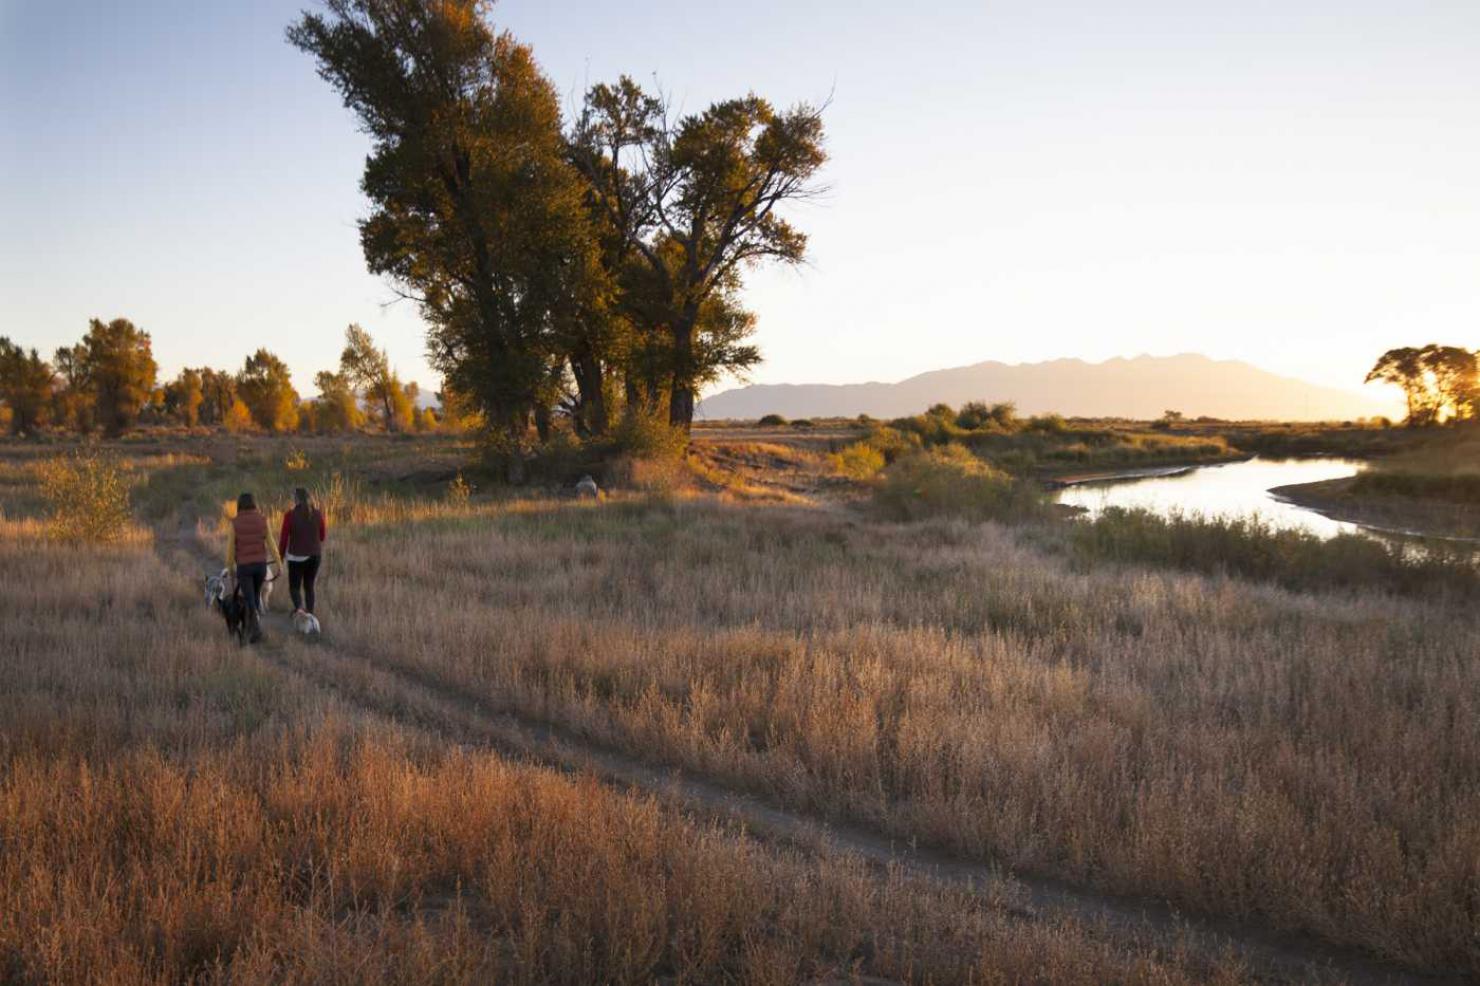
point(1242, 749)
point(175, 809)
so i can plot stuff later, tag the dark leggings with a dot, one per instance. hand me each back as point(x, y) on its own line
point(301, 575)
point(250, 578)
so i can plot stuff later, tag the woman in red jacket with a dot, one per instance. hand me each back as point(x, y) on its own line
point(301, 543)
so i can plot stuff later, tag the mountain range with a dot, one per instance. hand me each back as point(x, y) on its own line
point(1141, 387)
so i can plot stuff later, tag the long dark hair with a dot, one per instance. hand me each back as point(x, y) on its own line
point(245, 502)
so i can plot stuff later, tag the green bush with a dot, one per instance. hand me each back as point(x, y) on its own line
point(978, 416)
point(771, 421)
point(950, 481)
point(565, 458)
point(87, 495)
point(973, 415)
point(1049, 424)
point(650, 436)
point(892, 443)
point(927, 429)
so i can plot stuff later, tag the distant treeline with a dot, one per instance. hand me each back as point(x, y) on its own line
point(109, 383)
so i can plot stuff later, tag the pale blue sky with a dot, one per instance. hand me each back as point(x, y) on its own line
point(1291, 183)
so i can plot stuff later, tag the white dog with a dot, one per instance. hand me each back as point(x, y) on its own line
point(267, 584)
point(306, 623)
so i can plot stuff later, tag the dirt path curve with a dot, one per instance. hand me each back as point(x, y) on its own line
point(412, 698)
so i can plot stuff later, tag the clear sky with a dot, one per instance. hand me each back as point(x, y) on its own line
point(1289, 182)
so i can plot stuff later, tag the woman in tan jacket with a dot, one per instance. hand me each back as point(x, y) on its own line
point(248, 547)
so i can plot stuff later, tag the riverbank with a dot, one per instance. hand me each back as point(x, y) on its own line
point(1341, 499)
point(1063, 480)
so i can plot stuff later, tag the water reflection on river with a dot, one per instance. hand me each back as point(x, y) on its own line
point(1236, 489)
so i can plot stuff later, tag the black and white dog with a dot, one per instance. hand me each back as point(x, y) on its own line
point(225, 596)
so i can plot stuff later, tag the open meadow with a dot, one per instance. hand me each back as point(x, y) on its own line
point(791, 494)
point(546, 739)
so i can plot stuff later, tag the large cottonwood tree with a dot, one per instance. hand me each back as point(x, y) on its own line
point(1437, 381)
point(109, 375)
point(476, 213)
point(265, 386)
point(685, 207)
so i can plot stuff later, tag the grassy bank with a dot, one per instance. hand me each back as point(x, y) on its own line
point(1433, 489)
point(1297, 559)
point(1043, 446)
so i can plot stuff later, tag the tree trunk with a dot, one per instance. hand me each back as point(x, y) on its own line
point(590, 385)
point(515, 470)
point(633, 393)
point(542, 422)
point(681, 407)
point(681, 394)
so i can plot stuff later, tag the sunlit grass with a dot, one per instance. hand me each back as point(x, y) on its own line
point(176, 808)
point(1234, 746)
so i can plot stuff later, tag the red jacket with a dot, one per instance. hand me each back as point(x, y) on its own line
point(303, 532)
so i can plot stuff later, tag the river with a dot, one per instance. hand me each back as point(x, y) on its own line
point(1233, 489)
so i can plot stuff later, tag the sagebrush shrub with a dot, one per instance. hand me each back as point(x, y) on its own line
point(950, 481)
point(87, 495)
point(858, 461)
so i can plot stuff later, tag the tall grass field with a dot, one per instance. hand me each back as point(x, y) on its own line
point(1259, 745)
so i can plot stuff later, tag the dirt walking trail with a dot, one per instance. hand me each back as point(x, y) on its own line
point(371, 685)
